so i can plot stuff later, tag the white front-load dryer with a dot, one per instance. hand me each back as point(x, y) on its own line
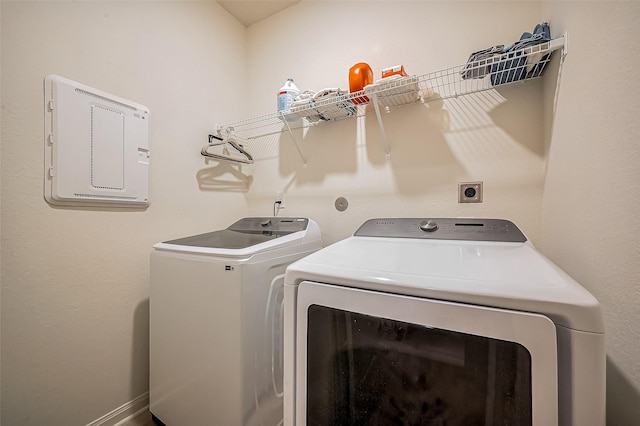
point(440, 322)
point(216, 322)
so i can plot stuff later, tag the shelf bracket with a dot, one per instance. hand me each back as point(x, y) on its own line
point(565, 47)
point(295, 142)
point(560, 43)
point(385, 141)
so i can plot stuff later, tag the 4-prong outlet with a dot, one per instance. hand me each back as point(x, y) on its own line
point(470, 192)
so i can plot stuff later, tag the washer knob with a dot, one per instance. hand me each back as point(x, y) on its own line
point(265, 222)
point(428, 226)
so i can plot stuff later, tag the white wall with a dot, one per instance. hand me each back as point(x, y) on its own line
point(75, 281)
point(496, 137)
point(564, 172)
point(591, 197)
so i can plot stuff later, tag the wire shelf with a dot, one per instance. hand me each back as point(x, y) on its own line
point(471, 77)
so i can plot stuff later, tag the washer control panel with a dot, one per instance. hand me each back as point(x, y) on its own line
point(285, 225)
point(498, 230)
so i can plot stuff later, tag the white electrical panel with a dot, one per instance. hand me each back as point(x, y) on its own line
point(96, 147)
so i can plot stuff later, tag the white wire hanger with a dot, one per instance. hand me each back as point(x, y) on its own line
point(226, 155)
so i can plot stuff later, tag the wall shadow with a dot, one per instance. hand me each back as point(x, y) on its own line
point(420, 156)
point(623, 399)
point(329, 147)
point(523, 100)
point(223, 176)
point(541, 94)
point(139, 382)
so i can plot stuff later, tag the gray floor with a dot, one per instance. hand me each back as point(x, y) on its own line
point(143, 419)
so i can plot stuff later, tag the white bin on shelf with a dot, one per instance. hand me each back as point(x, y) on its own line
point(395, 90)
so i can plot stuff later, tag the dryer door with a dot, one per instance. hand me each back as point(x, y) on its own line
point(370, 358)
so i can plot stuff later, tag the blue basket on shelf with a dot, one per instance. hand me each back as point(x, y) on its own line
point(515, 65)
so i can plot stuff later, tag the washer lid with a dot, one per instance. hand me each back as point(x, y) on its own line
point(245, 233)
point(246, 236)
point(225, 238)
point(496, 274)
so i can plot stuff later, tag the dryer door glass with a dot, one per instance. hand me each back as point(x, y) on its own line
point(365, 370)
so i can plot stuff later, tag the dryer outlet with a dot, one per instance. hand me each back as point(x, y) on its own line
point(470, 192)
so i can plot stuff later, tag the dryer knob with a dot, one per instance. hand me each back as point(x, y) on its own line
point(428, 226)
point(265, 222)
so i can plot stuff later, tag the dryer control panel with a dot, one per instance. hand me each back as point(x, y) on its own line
point(497, 230)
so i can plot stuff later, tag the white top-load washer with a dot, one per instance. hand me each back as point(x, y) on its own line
point(216, 322)
point(440, 321)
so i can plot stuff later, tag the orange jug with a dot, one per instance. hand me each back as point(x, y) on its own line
point(360, 75)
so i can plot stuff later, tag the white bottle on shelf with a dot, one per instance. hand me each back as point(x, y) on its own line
point(286, 96)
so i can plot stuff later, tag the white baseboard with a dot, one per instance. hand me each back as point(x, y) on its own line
point(124, 412)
